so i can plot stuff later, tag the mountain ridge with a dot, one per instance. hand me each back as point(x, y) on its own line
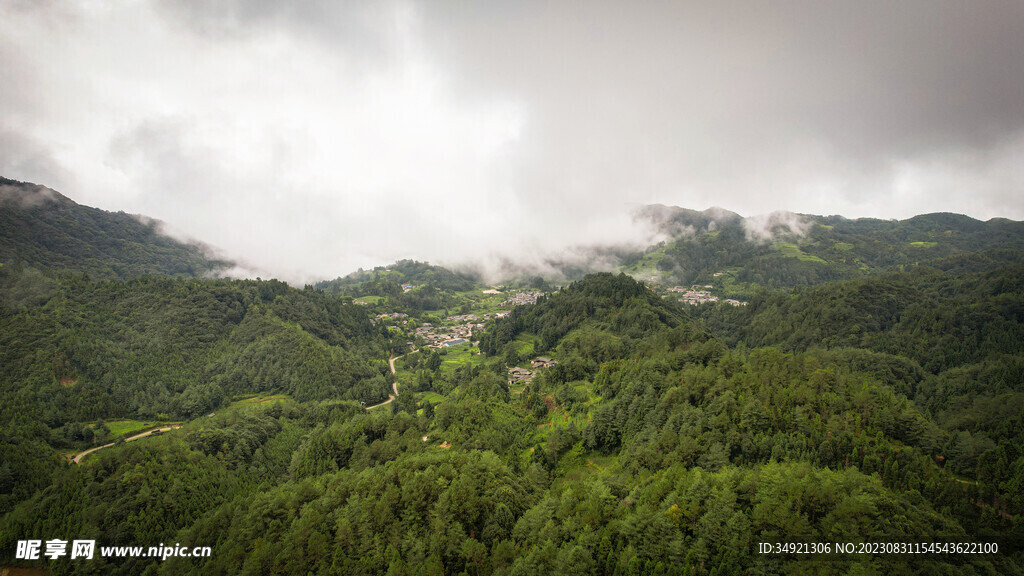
point(40, 227)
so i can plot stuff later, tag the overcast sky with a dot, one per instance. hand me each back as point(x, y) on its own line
point(311, 138)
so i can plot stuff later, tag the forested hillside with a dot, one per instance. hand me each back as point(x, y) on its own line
point(44, 229)
point(75, 351)
point(743, 255)
point(950, 340)
point(651, 447)
point(602, 428)
point(406, 285)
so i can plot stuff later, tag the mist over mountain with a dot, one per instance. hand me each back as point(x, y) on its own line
point(42, 228)
point(775, 249)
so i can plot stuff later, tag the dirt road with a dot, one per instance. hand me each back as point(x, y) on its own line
point(394, 385)
point(77, 459)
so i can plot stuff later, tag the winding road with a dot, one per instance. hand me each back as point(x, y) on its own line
point(77, 458)
point(394, 385)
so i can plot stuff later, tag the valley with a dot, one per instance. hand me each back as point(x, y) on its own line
point(854, 381)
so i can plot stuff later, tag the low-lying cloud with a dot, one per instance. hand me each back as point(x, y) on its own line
point(26, 196)
point(767, 227)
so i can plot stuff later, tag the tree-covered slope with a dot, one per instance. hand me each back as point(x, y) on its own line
point(75, 351)
point(938, 318)
point(78, 349)
point(650, 448)
point(384, 280)
point(406, 286)
point(44, 229)
point(949, 339)
point(780, 250)
point(611, 302)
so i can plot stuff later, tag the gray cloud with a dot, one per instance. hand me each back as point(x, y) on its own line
point(312, 138)
point(760, 101)
point(29, 160)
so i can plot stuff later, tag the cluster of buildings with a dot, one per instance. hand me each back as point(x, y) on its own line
point(463, 318)
point(698, 294)
point(517, 375)
point(697, 297)
point(444, 336)
point(542, 362)
point(523, 298)
point(694, 297)
point(394, 316)
point(694, 288)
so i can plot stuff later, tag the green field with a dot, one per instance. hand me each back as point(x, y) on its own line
point(484, 304)
point(367, 299)
point(257, 399)
point(728, 286)
point(404, 376)
point(125, 426)
point(432, 397)
point(924, 244)
point(793, 251)
point(456, 356)
point(647, 267)
point(524, 344)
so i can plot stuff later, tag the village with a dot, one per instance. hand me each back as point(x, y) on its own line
point(446, 336)
point(454, 329)
point(523, 298)
point(700, 294)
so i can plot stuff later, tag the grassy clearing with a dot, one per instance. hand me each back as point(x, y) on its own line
point(462, 354)
point(844, 246)
point(484, 304)
point(126, 426)
point(647, 267)
point(924, 244)
point(790, 250)
point(405, 378)
point(592, 464)
point(560, 418)
point(731, 288)
point(257, 399)
point(524, 344)
point(368, 299)
point(432, 397)
point(592, 397)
